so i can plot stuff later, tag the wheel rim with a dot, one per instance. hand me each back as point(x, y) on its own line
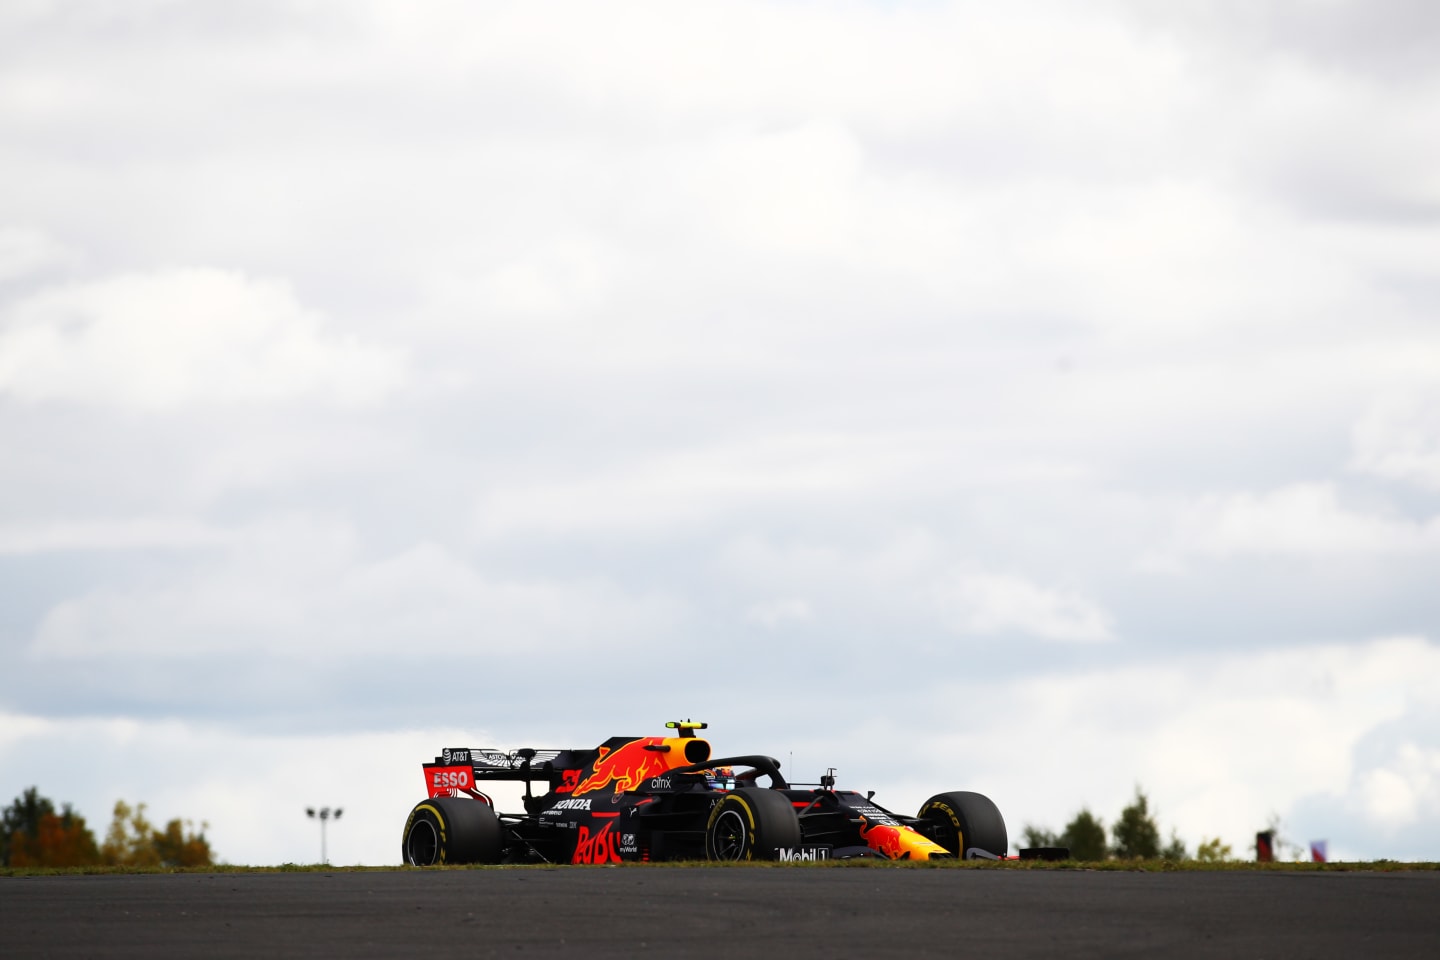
point(423, 844)
point(730, 837)
point(948, 834)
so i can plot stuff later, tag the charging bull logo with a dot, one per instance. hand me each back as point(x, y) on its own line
point(600, 847)
point(883, 839)
point(898, 842)
point(625, 768)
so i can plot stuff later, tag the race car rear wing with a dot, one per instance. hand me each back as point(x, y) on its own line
point(483, 758)
point(462, 771)
point(524, 764)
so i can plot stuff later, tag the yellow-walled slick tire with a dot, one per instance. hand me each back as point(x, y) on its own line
point(448, 830)
point(965, 822)
point(751, 824)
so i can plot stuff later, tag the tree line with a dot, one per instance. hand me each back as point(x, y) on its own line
point(33, 833)
point(1134, 836)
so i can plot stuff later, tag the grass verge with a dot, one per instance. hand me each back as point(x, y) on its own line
point(1140, 866)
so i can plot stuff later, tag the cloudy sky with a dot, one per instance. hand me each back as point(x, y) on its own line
point(1039, 398)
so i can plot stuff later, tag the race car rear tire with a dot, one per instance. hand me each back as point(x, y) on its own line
point(965, 822)
point(751, 825)
point(447, 830)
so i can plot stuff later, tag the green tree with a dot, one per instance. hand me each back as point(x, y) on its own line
point(1085, 836)
point(35, 835)
point(1136, 835)
point(133, 841)
point(62, 840)
point(22, 817)
point(1212, 851)
point(128, 841)
point(1174, 850)
point(1040, 837)
point(178, 845)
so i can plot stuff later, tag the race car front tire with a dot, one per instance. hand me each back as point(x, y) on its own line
point(964, 822)
point(449, 830)
point(751, 825)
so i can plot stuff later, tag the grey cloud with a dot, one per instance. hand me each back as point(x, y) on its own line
point(1386, 39)
point(879, 379)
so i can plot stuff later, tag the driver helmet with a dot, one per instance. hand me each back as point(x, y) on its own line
point(720, 778)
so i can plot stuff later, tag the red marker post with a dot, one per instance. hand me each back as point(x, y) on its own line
point(1265, 846)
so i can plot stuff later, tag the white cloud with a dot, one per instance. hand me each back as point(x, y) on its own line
point(990, 604)
point(1389, 797)
point(788, 193)
point(776, 613)
point(559, 280)
point(1301, 519)
point(166, 339)
point(915, 584)
point(108, 534)
point(1399, 438)
point(23, 252)
point(685, 486)
point(300, 589)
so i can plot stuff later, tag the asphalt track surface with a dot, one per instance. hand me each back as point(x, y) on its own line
point(717, 912)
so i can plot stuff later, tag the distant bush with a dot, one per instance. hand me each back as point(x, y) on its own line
point(131, 841)
point(34, 834)
point(1135, 835)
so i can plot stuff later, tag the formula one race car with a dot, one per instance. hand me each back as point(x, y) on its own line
point(666, 798)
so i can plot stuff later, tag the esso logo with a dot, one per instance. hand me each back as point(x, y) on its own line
point(451, 778)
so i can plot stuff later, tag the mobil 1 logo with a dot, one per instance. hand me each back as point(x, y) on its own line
point(802, 854)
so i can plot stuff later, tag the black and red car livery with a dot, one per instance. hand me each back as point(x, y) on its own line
point(667, 798)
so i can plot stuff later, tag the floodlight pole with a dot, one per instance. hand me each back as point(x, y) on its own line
point(323, 816)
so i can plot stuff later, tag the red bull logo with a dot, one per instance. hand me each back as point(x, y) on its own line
point(630, 765)
point(603, 846)
point(883, 839)
point(898, 842)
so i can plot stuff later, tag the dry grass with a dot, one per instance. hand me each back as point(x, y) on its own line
point(1140, 866)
